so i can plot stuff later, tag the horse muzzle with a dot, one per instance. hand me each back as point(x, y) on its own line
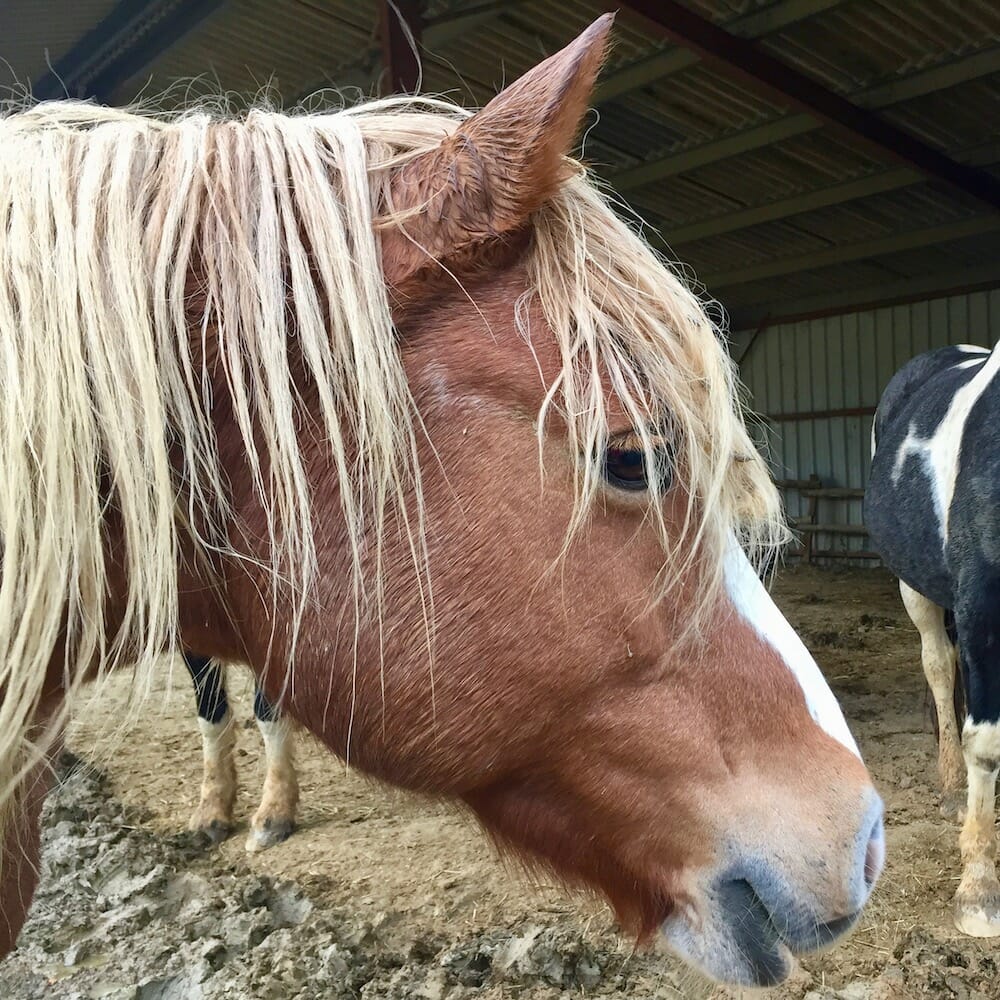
point(751, 919)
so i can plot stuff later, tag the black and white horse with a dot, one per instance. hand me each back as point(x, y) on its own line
point(933, 512)
point(275, 817)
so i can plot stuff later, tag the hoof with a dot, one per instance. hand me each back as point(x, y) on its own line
point(953, 805)
point(267, 834)
point(216, 830)
point(978, 916)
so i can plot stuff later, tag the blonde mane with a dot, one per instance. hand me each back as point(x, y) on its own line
point(105, 215)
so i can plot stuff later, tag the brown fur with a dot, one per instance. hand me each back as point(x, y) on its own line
point(558, 704)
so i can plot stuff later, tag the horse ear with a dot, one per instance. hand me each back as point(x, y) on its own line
point(498, 167)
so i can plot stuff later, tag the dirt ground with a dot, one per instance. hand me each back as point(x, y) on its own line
point(379, 895)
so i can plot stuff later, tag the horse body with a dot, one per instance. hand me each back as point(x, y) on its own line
point(458, 467)
point(931, 510)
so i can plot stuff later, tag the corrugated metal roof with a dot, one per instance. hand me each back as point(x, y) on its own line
point(804, 163)
point(955, 117)
point(31, 41)
point(863, 42)
point(931, 67)
point(288, 45)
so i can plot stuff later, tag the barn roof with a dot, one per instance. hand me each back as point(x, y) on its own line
point(800, 155)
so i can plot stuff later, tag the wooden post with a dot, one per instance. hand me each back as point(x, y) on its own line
point(399, 60)
point(812, 514)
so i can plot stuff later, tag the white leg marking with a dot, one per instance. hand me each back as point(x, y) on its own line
point(977, 902)
point(275, 818)
point(754, 604)
point(214, 814)
point(937, 655)
point(940, 452)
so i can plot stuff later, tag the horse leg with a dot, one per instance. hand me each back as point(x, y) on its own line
point(274, 820)
point(937, 653)
point(20, 843)
point(977, 902)
point(214, 815)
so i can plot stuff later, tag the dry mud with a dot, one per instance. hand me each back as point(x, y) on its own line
point(380, 895)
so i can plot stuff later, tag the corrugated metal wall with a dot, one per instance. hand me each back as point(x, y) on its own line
point(812, 367)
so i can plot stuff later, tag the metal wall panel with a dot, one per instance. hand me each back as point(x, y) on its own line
point(844, 362)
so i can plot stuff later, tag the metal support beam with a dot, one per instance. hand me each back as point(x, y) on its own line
point(458, 21)
point(906, 88)
point(746, 319)
point(126, 41)
point(662, 64)
point(401, 24)
point(837, 194)
point(712, 152)
point(745, 62)
point(845, 254)
point(810, 201)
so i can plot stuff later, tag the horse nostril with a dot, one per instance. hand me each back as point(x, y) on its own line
point(875, 854)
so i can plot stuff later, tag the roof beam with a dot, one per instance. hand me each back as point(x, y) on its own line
point(847, 253)
point(885, 293)
point(457, 21)
point(437, 33)
point(907, 88)
point(655, 67)
point(744, 61)
point(401, 25)
point(712, 152)
point(810, 201)
point(882, 95)
point(126, 41)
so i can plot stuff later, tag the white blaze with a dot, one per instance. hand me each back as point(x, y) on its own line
point(754, 604)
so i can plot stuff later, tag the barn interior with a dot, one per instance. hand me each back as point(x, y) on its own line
point(824, 169)
point(828, 173)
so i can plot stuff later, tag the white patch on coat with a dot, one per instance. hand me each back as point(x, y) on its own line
point(977, 911)
point(939, 453)
point(278, 743)
point(275, 816)
point(217, 738)
point(981, 740)
point(754, 604)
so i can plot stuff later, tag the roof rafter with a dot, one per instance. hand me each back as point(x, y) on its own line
point(847, 253)
point(743, 60)
point(662, 64)
point(810, 201)
point(885, 293)
point(124, 43)
point(884, 95)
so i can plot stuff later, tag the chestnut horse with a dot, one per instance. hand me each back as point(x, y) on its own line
point(389, 404)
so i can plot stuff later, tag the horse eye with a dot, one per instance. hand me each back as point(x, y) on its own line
point(626, 468)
